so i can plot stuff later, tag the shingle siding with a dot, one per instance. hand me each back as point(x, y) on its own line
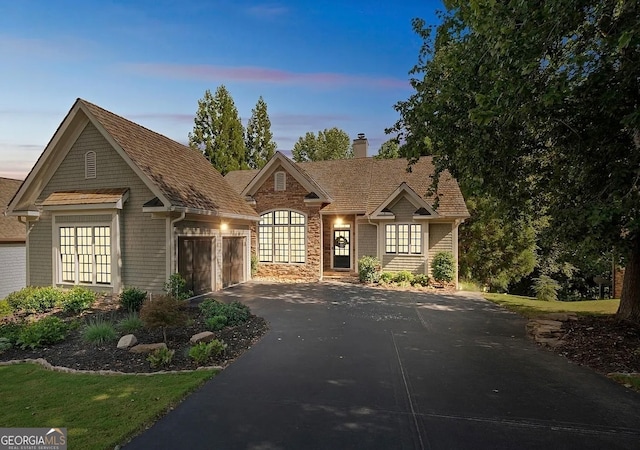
point(142, 239)
point(13, 258)
point(396, 263)
point(367, 240)
point(403, 209)
point(440, 240)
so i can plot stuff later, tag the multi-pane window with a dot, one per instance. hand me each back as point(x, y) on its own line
point(85, 254)
point(403, 239)
point(281, 237)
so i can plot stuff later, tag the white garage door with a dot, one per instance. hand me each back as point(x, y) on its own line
point(13, 268)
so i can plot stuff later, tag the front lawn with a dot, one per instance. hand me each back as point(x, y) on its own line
point(99, 412)
point(530, 307)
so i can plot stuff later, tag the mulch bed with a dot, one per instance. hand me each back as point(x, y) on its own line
point(77, 354)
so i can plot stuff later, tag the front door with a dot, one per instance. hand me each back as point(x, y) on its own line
point(341, 249)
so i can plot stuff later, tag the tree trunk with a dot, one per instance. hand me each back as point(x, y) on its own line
point(629, 308)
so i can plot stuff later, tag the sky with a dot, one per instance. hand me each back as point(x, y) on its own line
point(317, 64)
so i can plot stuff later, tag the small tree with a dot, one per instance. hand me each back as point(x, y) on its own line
point(163, 312)
point(369, 269)
point(443, 267)
point(546, 288)
point(389, 150)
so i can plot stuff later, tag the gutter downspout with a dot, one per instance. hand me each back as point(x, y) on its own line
point(377, 239)
point(170, 247)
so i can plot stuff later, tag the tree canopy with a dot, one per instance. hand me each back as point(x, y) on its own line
point(259, 138)
point(218, 132)
point(536, 105)
point(332, 143)
point(389, 150)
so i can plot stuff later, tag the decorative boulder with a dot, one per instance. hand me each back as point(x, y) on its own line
point(147, 348)
point(126, 341)
point(205, 336)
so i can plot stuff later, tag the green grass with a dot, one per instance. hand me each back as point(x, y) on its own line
point(629, 380)
point(98, 411)
point(530, 307)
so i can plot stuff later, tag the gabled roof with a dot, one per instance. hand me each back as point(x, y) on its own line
point(423, 208)
point(180, 177)
point(113, 198)
point(11, 230)
point(362, 185)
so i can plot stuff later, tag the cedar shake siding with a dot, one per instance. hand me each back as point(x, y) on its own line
point(367, 240)
point(440, 240)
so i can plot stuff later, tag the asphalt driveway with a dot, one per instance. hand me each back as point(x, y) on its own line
point(350, 367)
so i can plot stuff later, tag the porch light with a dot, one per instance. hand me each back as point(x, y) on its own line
point(339, 221)
point(224, 226)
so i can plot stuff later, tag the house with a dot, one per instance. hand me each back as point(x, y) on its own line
point(111, 204)
point(12, 243)
point(321, 217)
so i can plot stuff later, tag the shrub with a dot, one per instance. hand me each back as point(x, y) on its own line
point(163, 312)
point(403, 276)
point(443, 267)
point(78, 299)
point(35, 299)
point(131, 298)
point(5, 309)
point(216, 323)
point(130, 324)
point(5, 344)
point(235, 312)
point(99, 331)
point(49, 330)
point(10, 331)
point(385, 278)
point(546, 288)
point(201, 352)
point(160, 357)
point(254, 265)
point(421, 280)
point(176, 287)
point(368, 269)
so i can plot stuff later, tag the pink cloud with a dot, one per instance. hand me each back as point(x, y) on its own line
point(250, 74)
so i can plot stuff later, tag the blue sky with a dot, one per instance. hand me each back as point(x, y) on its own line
point(316, 64)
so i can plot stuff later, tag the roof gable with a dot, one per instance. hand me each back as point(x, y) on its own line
point(404, 191)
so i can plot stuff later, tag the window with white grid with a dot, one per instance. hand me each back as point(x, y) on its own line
point(85, 254)
point(404, 239)
point(281, 237)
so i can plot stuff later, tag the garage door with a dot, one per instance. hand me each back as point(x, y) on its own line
point(232, 260)
point(194, 263)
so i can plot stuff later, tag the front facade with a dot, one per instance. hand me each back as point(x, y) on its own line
point(320, 217)
point(13, 253)
point(111, 204)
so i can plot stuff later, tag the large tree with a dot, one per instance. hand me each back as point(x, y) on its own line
point(259, 138)
point(536, 104)
point(389, 150)
point(332, 143)
point(218, 131)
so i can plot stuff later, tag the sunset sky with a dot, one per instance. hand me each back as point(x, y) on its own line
point(317, 64)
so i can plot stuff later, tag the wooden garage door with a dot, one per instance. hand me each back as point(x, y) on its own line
point(194, 263)
point(232, 260)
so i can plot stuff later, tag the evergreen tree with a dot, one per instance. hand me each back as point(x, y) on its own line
point(218, 131)
point(332, 143)
point(259, 139)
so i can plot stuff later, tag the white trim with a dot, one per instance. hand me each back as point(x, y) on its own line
point(351, 227)
point(411, 195)
point(90, 165)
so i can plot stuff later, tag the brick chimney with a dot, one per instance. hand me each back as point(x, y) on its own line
point(360, 146)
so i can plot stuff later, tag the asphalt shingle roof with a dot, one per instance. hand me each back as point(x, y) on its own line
point(11, 230)
point(184, 176)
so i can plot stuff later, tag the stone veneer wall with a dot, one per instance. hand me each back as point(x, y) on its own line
point(267, 199)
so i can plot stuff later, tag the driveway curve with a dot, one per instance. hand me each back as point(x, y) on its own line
point(350, 367)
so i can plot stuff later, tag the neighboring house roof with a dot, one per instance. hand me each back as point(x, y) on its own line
point(11, 230)
point(362, 185)
point(180, 177)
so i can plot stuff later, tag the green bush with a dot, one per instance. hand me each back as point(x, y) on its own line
point(403, 276)
point(78, 299)
point(35, 299)
point(421, 280)
point(368, 269)
point(11, 331)
point(201, 352)
point(176, 287)
point(160, 357)
point(254, 265)
point(443, 267)
point(163, 312)
point(130, 324)
point(47, 331)
point(99, 331)
point(216, 323)
point(546, 288)
point(235, 312)
point(5, 309)
point(385, 278)
point(5, 344)
point(132, 298)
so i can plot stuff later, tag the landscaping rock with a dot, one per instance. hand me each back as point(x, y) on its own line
point(147, 348)
point(563, 317)
point(205, 336)
point(126, 341)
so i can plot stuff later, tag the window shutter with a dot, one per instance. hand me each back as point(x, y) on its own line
point(90, 165)
point(280, 183)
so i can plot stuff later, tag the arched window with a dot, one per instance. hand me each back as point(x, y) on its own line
point(90, 165)
point(281, 237)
